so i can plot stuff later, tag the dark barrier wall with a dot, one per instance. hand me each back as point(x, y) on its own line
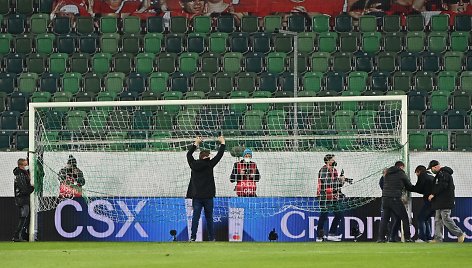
point(75, 220)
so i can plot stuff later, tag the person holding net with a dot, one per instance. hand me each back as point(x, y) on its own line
point(71, 179)
point(201, 188)
point(245, 173)
point(23, 190)
point(330, 195)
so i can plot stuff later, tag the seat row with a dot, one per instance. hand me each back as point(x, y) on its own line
point(422, 140)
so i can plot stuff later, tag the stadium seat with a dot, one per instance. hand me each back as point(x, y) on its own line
point(368, 24)
point(430, 61)
point(439, 140)
point(456, 119)
point(79, 63)
point(437, 41)
point(6, 7)
point(131, 43)
point(425, 81)
point(357, 81)
point(202, 82)
point(166, 62)
point(320, 62)
point(196, 42)
point(254, 62)
point(433, 120)
point(88, 43)
point(415, 23)
point(19, 101)
point(7, 82)
point(174, 43)
point(306, 42)
point(131, 25)
point(365, 120)
point(66, 43)
point(260, 42)
point(36, 63)
point(9, 120)
point(447, 81)
point(327, 42)
point(114, 82)
point(180, 82)
point(414, 119)
point(84, 25)
point(178, 24)
point(321, 121)
point(122, 62)
point(402, 81)
point(101, 63)
point(371, 42)
point(296, 23)
point(154, 24)
point(201, 24)
point(14, 63)
point(466, 81)
point(391, 24)
point(5, 43)
point(92, 83)
point(232, 62)
point(39, 23)
point(386, 61)
point(23, 44)
point(253, 122)
point(286, 81)
point(225, 23)
point(108, 24)
point(283, 42)
point(71, 82)
point(461, 100)
point(27, 82)
point(439, 100)
point(462, 23)
point(224, 82)
point(158, 82)
point(276, 62)
point(468, 61)
point(348, 42)
point(272, 22)
point(261, 106)
point(126, 95)
point(268, 82)
point(453, 61)
point(415, 42)
point(153, 42)
point(463, 141)
point(313, 81)
point(21, 140)
point(119, 120)
point(218, 42)
point(5, 140)
point(16, 24)
point(172, 95)
point(321, 23)
point(58, 63)
point(418, 140)
point(105, 96)
point(142, 120)
point(109, 43)
point(343, 120)
point(439, 23)
point(417, 100)
point(249, 24)
point(136, 82)
point(49, 82)
point(343, 23)
point(144, 63)
point(393, 42)
point(342, 62)
point(61, 25)
point(246, 81)
point(372, 105)
point(335, 81)
point(459, 41)
point(240, 107)
point(62, 97)
point(239, 42)
point(302, 63)
point(75, 120)
point(363, 62)
point(210, 62)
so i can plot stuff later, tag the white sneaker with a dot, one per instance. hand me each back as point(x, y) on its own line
point(461, 238)
point(320, 239)
point(334, 238)
point(419, 241)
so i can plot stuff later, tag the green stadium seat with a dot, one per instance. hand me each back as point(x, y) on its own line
point(66, 44)
point(287, 82)
point(306, 42)
point(386, 61)
point(196, 42)
point(320, 62)
point(261, 106)
point(439, 23)
point(253, 122)
point(62, 97)
point(343, 120)
point(327, 42)
point(239, 42)
point(302, 63)
point(119, 120)
point(108, 24)
point(249, 24)
point(36, 63)
point(15, 24)
point(224, 82)
point(178, 24)
point(9, 120)
point(335, 81)
point(402, 81)
point(466, 81)
point(122, 62)
point(447, 81)
point(131, 43)
point(101, 63)
point(149, 95)
point(79, 63)
point(114, 82)
point(468, 61)
point(415, 42)
point(166, 62)
point(272, 22)
point(58, 63)
point(463, 141)
point(276, 62)
point(180, 82)
point(19, 101)
point(158, 141)
point(414, 119)
point(439, 100)
point(430, 61)
point(109, 43)
point(75, 120)
point(201, 24)
point(368, 24)
point(49, 82)
point(106, 96)
point(440, 141)
point(425, 81)
point(154, 24)
point(6, 7)
point(254, 62)
point(218, 42)
point(5, 43)
point(342, 62)
point(372, 105)
point(453, 61)
point(82, 96)
point(365, 120)
point(172, 95)
point(92, 83)
point(27, 82)
point(23, 44)
point(61, 25)
point(357, 81)
point(418, 140)
point(7, 82)
point(321, 23)
point(246, 81)
point(242, 107)
point(433, 119)
point(462, 23)
point(39, 23)
point(14, 63)
point(84, 25)
point(144, 63)
point(210, 62)
point(6, 138)
point(417, 100)
point(348, 42)
point(313, 81)
point(71, 82)
point(153, 42)
point(415, 23)
point(142, 120)
point(131, 25)
point(283, 42)
point(296, 23)
point(158, 82)
point(41, 96)
point(97, 120)
point(393, 42)
point(371, 42)
point(363, 62)
point(268, 82)
point(437, 41)
point(202, 82)
point(88, 43)
point(232, 62)
point(188, 62)
point(461, 100)
point(174, 43)
point(45, 43)
point(225, 23)
point(391, 23)
point(126, 95)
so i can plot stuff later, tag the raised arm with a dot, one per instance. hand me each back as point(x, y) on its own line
point(220, 153)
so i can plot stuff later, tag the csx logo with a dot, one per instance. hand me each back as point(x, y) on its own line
point(110, 225)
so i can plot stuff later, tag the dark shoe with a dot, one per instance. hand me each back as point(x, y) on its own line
point(192, 240)
point(409, 241)
point(19, 240)
point(381, 241)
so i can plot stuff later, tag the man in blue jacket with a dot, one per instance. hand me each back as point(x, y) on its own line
point(201, 188)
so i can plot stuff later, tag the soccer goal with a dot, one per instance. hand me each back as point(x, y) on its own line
point(138, 149)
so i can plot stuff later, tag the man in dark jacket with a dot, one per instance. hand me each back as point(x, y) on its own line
point(394, 225)
point(201, 188)
point(442, 200)
point(23, 189)
point(424, 185)
point(394, 181)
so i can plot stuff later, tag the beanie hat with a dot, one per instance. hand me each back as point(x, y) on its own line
point(247, 151)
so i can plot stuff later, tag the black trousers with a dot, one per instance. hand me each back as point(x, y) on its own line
point(394, 205)
point(22, 228)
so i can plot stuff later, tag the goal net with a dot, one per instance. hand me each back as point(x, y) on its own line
point(137, 149)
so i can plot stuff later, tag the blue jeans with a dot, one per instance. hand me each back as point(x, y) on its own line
point(424, 221)
point(197, 205)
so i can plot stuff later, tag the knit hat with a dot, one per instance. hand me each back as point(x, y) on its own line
point(247, 151)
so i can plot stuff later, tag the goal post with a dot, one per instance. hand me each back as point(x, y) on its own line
point(137, 148)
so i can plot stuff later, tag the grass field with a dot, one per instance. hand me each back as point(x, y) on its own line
point(225, 254)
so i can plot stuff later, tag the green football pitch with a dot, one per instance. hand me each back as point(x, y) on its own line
point(225, 254)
